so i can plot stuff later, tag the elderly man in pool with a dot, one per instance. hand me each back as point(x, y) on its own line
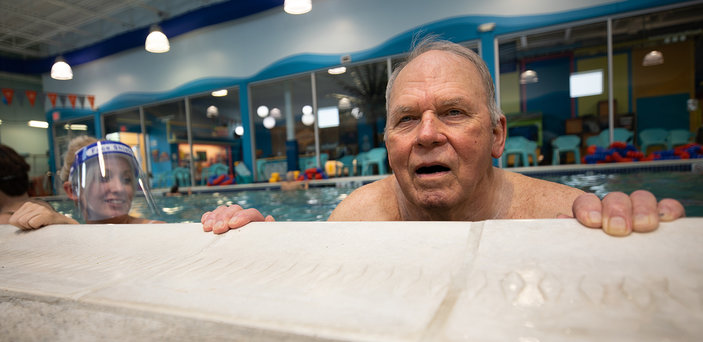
point(443, 130)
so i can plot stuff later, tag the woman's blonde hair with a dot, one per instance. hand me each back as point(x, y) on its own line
point(74, 145)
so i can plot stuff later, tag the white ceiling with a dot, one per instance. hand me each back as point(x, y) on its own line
point(42, 28)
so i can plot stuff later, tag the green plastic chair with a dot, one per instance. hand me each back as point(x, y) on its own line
point(565, 144)
point(522, 148)
point(182, 176)
point(348, 162)
point(242, 174)
point(375, 156)
point(653, 137)
point(619, 135)
point(678, 137)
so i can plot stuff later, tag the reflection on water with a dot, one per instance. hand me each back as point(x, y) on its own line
point(316, 204)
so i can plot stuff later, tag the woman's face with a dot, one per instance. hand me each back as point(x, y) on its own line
point(111, 195)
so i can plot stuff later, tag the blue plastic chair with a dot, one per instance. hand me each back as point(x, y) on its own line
point(348, 164)
point(242, 174)
point(182, 176)
point(565, 144)
point(619, 135)
point(522, 148)
point(309, 162)
point(653, 137)
point(376, 156)
point(678, 137)
point(594, 140)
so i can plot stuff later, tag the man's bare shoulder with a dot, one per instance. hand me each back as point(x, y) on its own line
point(537, 198)
point(371, 202)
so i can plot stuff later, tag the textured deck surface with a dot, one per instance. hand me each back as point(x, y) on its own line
point(520, 280)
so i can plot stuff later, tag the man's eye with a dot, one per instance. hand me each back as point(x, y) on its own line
point(405, 119)
point(454, 112)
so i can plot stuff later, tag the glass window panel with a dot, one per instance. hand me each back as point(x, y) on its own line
point(535, 73)
point(167, 138)
point(664, 58)
point(357, 97)
point(126, 127)
point(283, 101)
point(213, 123)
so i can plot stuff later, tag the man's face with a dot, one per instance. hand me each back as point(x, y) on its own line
point(112, 195)
point(440, 138)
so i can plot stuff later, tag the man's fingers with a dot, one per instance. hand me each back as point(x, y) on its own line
point(645, 217)
point(587, 210)
point(218, 218)
point(670, 209)
point(617, 214)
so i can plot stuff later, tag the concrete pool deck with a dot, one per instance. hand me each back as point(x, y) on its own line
point(505, 280)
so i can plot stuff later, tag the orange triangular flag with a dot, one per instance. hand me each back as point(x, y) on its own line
point(72, 99)
point(31, 96)
point(8, 93)
point(52, 98)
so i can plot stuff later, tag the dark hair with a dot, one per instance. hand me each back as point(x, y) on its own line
point(14, 180)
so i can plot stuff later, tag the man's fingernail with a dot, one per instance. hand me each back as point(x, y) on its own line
point(208, 223)
point(594, 217)
point(616, 226)
point(219, 225)
point(642, 220)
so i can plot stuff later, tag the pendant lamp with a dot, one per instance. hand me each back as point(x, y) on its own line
point(61, 70)
point(156, 41)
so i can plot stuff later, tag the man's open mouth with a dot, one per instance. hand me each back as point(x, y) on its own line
point(430, 169)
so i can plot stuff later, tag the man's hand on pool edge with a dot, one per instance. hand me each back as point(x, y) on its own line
point(619, 214)
point(224, 218)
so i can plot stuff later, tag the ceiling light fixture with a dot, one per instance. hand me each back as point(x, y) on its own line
point(486, 27)
point(262, 111)
point(61, 70)
point(528, 76)
point(156, 41)
point(269, 122)
point(654, 57)
point(38, 124)
point(219, 93)
point(297, 6)
point(337, 71)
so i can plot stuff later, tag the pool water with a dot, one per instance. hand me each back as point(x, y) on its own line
point(317, 203)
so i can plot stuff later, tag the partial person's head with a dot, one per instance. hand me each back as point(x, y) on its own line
point(14, 180)
point(443, 127)
point(104, 179)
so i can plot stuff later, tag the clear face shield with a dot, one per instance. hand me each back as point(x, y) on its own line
point(105, 177)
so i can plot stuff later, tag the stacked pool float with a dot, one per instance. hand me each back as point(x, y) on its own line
point(619, 152)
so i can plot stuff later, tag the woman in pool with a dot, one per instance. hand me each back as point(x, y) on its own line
point(103, 178)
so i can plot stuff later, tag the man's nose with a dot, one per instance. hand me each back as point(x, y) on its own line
point(431, 130)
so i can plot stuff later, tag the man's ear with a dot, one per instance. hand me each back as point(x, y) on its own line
point(499, 133)
point(69, 190)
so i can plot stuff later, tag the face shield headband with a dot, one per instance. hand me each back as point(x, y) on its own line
point(105, 177)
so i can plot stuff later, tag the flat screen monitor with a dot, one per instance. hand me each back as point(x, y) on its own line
point(327, 117)
point(586, 83)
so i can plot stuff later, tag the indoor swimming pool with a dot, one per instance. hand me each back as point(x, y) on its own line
point(318, 202)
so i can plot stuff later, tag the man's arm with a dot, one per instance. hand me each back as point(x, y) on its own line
point(33, 215)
